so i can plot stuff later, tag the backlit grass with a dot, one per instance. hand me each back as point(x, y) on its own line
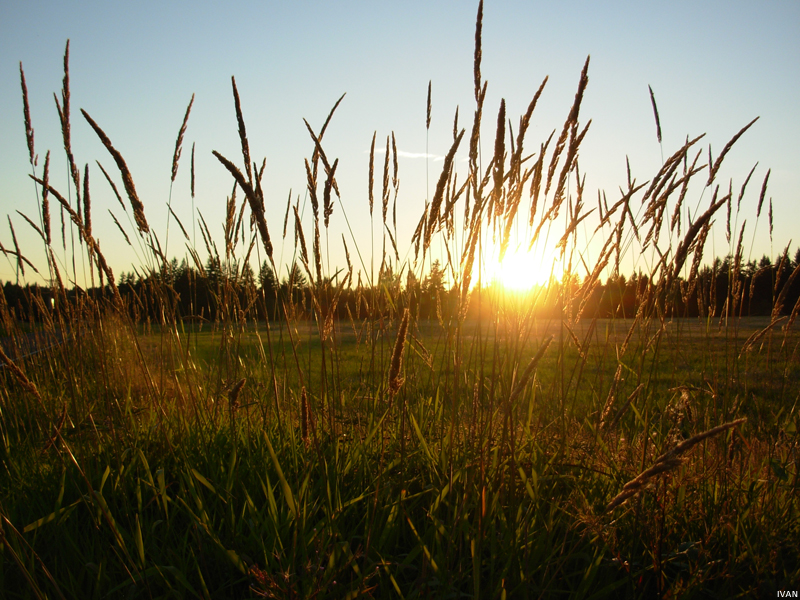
point(413, 436)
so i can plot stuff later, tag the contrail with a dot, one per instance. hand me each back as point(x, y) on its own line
point(405, 154)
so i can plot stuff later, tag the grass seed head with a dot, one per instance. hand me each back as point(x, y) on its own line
point(234, 391)
point(763, 192)
point(27, 115)
point(427, 116)
point(179, 144)
point(242, 131)
point(46, 198)
point(396, 365)
point(127, 178)
point(87, 203)
point(655, 113)
point(478, 52)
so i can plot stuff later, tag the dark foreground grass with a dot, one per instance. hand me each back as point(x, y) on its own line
point(191, 496)
point(444, 439)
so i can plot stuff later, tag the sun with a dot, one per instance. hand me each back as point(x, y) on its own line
point(521, 269)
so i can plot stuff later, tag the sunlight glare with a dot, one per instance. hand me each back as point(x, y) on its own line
point(521, 270)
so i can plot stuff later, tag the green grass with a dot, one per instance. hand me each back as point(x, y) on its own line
point(496, 447)
point(189, 498)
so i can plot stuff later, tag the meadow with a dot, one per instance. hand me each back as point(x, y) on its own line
point(406, 435)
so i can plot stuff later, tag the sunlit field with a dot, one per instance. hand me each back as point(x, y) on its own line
point(498, 406)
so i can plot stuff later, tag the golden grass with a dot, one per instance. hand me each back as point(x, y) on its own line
point(518, 417)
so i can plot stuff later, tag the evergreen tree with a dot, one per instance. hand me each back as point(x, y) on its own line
point(295, 279)
point(267, 281)
point(434, 282)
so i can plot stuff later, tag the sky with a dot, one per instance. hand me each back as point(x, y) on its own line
point(713, 67)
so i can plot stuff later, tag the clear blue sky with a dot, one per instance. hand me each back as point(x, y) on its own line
point(713, 66)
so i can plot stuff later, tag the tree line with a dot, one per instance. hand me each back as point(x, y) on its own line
point(218, 291)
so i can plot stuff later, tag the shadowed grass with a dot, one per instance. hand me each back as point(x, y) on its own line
point(419, 434)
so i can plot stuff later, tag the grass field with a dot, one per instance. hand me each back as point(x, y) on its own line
point(183, 493)
point(389, 439)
